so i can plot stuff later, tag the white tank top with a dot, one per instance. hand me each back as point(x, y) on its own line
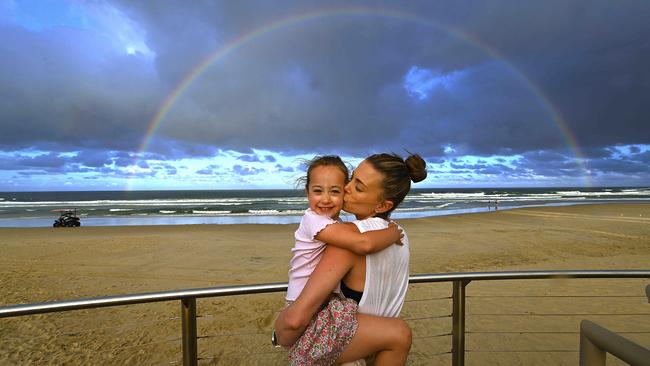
point(387, 274)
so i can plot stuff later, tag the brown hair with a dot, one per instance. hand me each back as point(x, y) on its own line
point(325, 160)
point(398, 174)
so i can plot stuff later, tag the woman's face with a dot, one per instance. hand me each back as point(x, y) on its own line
point(364, 193)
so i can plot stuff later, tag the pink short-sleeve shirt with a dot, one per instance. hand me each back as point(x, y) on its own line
point(307, 251)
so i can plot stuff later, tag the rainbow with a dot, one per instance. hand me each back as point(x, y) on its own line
point(256, 33)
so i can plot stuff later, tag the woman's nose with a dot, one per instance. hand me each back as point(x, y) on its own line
point(347, 187)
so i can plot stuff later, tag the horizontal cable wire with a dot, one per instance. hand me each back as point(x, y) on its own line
point(429, 317)
point(556, 314)
point(243, 355)
point(169, 340)
point(571, 296)
point(233, 334)
point(543, 332)
point(432, 336)
point(523, 351)
point(520, 332)
point(135, 346)
point(430, 299)
point(433, 355)
point(76, 333)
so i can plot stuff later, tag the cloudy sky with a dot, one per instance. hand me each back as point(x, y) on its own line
point(120, 94)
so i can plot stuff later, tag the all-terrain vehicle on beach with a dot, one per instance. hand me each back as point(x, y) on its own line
point(68, 218)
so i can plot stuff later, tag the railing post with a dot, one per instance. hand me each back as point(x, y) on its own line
point(590, 354)
point(188, 316)
point(458, 323)
point(596, 342)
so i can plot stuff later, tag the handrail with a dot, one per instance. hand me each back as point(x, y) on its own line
point(528, 275)
point(188, 300)
point(141, 298)
point(596, 341)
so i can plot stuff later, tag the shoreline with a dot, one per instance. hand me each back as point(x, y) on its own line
point(248, 219)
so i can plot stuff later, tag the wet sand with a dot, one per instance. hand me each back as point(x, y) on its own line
point(525, 318)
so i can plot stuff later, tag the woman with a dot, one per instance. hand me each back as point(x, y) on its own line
point(379, 280)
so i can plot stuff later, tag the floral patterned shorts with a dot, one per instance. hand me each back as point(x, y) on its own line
point(327, 335)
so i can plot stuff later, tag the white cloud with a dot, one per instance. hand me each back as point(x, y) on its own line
point(419, 81)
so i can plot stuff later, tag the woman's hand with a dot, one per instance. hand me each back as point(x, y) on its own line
point(289, 326)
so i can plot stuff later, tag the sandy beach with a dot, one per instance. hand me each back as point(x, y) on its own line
point(535, 322)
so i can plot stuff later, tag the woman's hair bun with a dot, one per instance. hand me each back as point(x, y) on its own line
point(417, 167)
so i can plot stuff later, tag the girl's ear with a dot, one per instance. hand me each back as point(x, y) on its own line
point(384, 207)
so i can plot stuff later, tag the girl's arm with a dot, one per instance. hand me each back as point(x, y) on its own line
point(347, 236)
point(293, 321)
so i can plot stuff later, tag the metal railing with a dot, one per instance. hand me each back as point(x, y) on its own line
point(188, 298)
point(596, 341)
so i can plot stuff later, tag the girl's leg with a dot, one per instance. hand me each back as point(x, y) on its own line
point(390, 338)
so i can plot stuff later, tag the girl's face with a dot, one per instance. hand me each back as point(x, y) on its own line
point(364, 192)
point(325, 191)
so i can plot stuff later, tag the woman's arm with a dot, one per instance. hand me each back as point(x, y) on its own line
point(291, 323)
point(347, 236)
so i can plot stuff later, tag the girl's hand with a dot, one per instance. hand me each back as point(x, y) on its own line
point(395, 230)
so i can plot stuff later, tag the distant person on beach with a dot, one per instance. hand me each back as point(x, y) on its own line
point(323, 328)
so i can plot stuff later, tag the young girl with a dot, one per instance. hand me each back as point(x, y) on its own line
point(324, 183)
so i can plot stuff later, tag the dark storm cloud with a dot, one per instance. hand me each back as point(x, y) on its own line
point(643, 158)
point(481, 167)
point(96, 158)
point(208, 170)
point(337, 84)
point(253, 158)
point(167, 168)
point(250, 158)
point(44, 162)
point(66, 87)
point(621, 166)
point(283, 168)
point(245, 170)
point(347, 73)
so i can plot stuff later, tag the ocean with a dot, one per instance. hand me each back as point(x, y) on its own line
point(115, 208)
